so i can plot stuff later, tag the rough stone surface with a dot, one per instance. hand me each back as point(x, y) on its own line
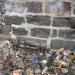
point(34, 7)
point(69, 44)
point(54, 33)
point(72, 22)
point(67, 34)
point(19, 31)
point(56, 44)
point(13, 20)
point(61, 22)
point(39, 20)
point(41, 33)
point(33, 42)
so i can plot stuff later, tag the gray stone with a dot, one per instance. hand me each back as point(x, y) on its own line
point(19, 31)
point(13, 20)
point(63, 33)
point(33, 42)
point(39, 20)
point(56, 44)
point(61, 22)
point(35, 7)
point(67, 34)
point(72, 22)
point(41, 33)
point(54, 33)
point(69, 44)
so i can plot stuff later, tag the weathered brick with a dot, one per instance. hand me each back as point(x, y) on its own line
point(13, 20)
point(69, 44)
point(56, 44)
point(33, 42)
point(71, 20)
point(35, 7)
point(62, 22)
point(67, 34)
point(39, 20)
point(54, 33)
point(20, 31)
point(41, 33)
point(59, 10)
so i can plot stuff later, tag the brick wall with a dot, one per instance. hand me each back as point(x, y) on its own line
point(38, 23)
